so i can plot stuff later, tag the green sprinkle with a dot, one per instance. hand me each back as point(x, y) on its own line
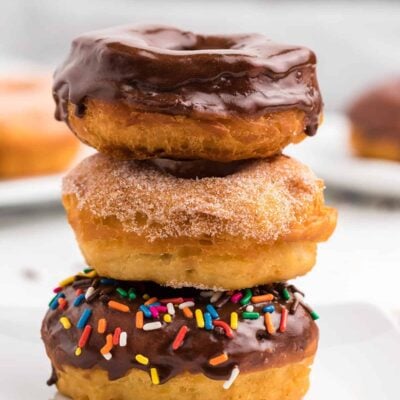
point(131, 294)
point(53, 299)
point(122, 292)
point(250, 315)
point(87, 270)
point(248, 294)
point(286, 294)
point(314, 315)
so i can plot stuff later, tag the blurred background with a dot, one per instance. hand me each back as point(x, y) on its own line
point(357, 44)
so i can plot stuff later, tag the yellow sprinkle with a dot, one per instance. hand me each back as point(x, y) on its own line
point(234, 320)
point(67, 281)
point(65, 322)
point(199, 318)
point(167, 318)
point(145, 296)
point(78, 351)
point(141, 359)
point(154, 376)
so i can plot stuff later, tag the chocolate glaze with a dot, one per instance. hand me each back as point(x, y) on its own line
point(166, 70)
point(196, 169)
point(377, 111)
point(251, 348)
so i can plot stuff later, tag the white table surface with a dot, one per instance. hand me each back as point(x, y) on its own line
point(361, 262)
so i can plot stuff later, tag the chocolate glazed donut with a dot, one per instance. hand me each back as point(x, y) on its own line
point(206, 86)
point(250, 345)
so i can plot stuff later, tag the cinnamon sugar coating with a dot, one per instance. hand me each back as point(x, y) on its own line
point(263, 200)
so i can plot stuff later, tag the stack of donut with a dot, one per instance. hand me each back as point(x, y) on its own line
point(190, 218)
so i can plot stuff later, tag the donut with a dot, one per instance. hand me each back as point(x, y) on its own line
point(158, 92)
point(232, 226)
point(31, 142)
point(375, 122)
point(121, 340)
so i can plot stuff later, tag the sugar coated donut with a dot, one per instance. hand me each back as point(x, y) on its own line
point(375, 122)
point(122, 340)
point(235, 225)
point(156, 91)
point(31, 142)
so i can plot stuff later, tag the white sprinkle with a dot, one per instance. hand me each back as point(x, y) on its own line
point(186, 304)
point(151, 326)
point(216, 296)
point(250, 308)
point(171, 309)
point(107, 356)
point(123, 337)
point(234, 374)
point(298, 296)
point(207, 293)
point(89, 292)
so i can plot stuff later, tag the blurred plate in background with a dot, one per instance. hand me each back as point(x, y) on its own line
point(328, 154)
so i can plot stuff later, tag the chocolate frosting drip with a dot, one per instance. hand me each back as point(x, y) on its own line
point(251, 347)
point(166, 70)
point(196, 169)
point(377, 111)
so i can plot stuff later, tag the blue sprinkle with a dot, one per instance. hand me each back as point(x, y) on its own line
point(84, 318)
point(213, 312)
point(146, 311)
point(107, 281)
point(269, 309)
point(79, 300)
point(208, 321)
point(54, 303)
point(154, 304)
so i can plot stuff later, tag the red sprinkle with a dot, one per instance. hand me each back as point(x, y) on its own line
point(175, 300)
point(78, 292)
point(283, 323)
point(85, 336)
point(117, 334)
point(57, 289)
point(178, 341)
point(225, 327)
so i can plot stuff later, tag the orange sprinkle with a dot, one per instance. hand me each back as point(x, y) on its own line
point(118, 306)
point(102, 325)
point(187, 312)
point(62, 303)
point(264, 297)
point(78, 292)
point(139, 320)
point(218, 359)
point(151, 301)
point(268, 323)
point(109, 344)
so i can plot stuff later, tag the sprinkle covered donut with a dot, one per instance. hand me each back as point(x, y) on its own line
point(208, 225)
point(155, 91)
point(121, 339)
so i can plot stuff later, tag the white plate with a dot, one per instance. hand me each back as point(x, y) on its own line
point(328, 154)
point(358, 358)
